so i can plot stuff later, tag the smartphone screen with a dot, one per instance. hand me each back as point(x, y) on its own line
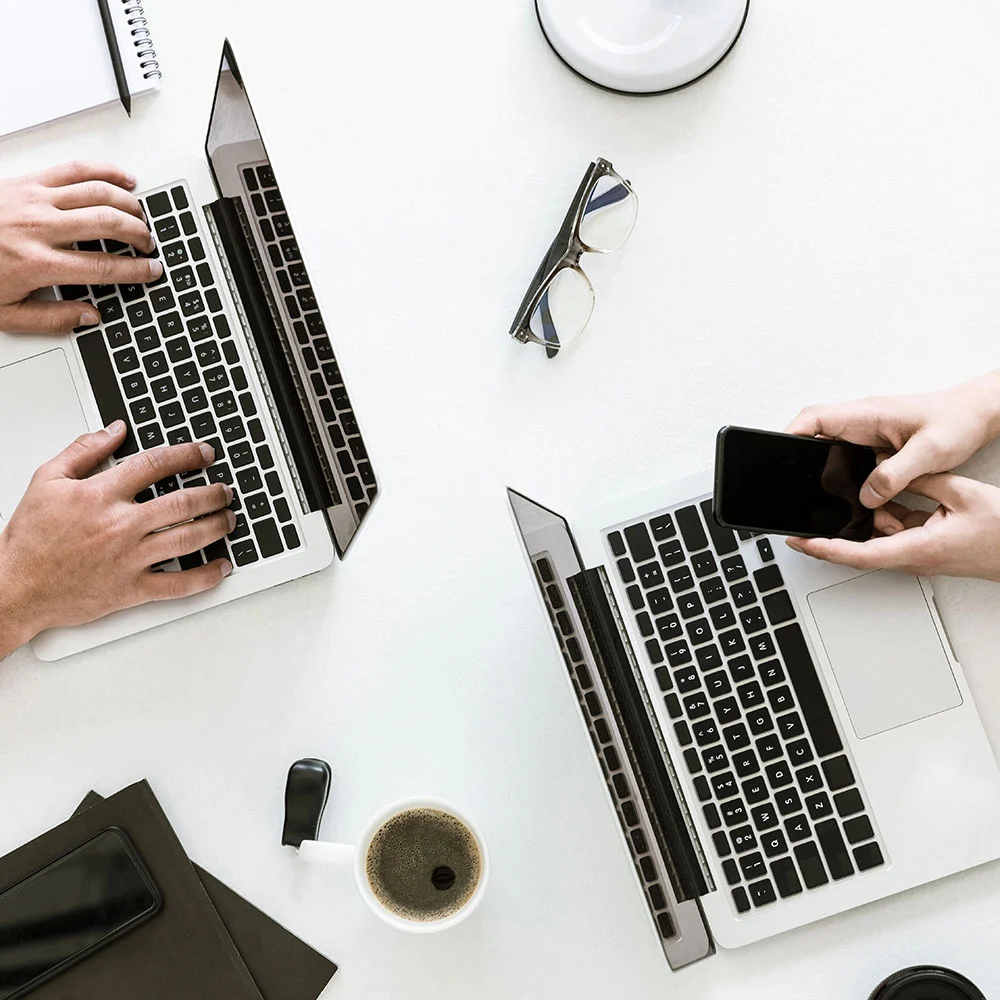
point(69, 909)
point(790, 485)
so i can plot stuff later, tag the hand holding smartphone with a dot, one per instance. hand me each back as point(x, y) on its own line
point(784, 484)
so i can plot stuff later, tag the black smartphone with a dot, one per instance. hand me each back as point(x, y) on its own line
point(785, 484)
point(71, 908)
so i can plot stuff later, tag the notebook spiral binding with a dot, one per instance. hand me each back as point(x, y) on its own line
point(143, 43)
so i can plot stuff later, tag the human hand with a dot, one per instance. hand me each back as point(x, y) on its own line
point(77, 548)
point(960, 538)
point(912, 435)
point(40, 216)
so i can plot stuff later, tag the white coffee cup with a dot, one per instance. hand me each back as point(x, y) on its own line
point(320, 852)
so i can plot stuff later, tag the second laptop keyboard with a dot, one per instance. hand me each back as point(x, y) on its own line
point(164, 360)
point(766, 759)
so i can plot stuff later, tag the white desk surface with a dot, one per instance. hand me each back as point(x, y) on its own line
point(819, 219)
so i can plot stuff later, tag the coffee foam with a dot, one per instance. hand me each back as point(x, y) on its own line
point(405, 859)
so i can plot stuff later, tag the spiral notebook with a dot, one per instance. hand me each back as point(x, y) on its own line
point(55, 59)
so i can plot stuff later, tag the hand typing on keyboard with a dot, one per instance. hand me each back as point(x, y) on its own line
point(79, 548)
point(919, 439)
point(40, 216)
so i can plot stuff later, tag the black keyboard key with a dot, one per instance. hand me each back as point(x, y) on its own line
point(722, 616)
point(752, 866)
point(740, 899)
point(203, 425)
point(664, 679)
point(680, 579)
point(635, 598)
point(838, 773)
point(161, 300)
point(698, 631)
point(743, 839)
point(170, 324)
point(207, 279)
point(683, 733)
point(111, 310)
point(142, 410)
point(178, 349)
point(708, 656)
point(746, 764)
point(241, 454)
point(723, 539)
point(639, 542)
point(214, 302)
point(264, 457)
point(673, 704)
point(813, 873)
point(810, 781)
point(180, 198)
point(696, 706)
point(615, 540)
point(118, 336)
point(743, 594)
point(721, 842)
point(799, 752)
point(765, 550)
point(790, 725)
point(689, 605)
point(780, 699)
point(706, 733)
point(702, 789)
point(158, 204)
point(663, 527)
point(197, 250)
point(770, 672)
point(660, 601)
point(786, 878)
point(166, 229)
point(760, 721)
point(750, 695)
point(645, 624)
point(848, 803)
point(244, 552)
point(727, 711)
point(274, 202)
point(224, 404)
point(171, 415)
point(195, 400)
point(191, 561)
point(812, 700)
point(192, 303)
point(737, 737)
point(713, 590)
point(762, 646)
point(232, 430)
point(670, 630)
point(282, 226)
point(858, 829)
point(650, 575)
point(220, 473)
point(838, 861)
point(155, 364)
point(672, 553)
point(734, 812)
point(755, 789)
point(774, 843)
point(174, 254)
point(72, 293)
point(779, 607)
point(818, 806)
point(104, 383)
point(217, 378)
point(180, 435)
point(687, 680)
point(188, 224)
point(691, 528)
point(778, 775)
point(717, 683)
point(625, 570)
point(150, 436)
point(741, 669)
point(134, 385)
point(797, 828)
point(692, 760)
point(734, 568)
point(752, 620)
point(126, 360)
point(868, 856)
point(731, 871)
point(768, 578)
point(724, 786)
point(703, 564)
point(788, 801)
point(731, 643)
point(256, 431)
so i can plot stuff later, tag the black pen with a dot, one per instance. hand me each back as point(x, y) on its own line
point(116, 57)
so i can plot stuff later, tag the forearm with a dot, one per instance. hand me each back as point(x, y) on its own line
point(15, 630)
point(985, 391)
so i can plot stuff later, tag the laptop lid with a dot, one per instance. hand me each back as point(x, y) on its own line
point(280, 312)
point(637, 770)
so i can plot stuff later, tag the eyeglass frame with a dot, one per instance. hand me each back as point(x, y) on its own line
point(566, 250)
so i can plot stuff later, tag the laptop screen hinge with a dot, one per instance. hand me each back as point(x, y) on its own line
point(647, 750)
point(267, 339)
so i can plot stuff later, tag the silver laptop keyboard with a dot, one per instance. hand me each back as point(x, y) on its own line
point(764, 753)
point(311, 341)
point(164, 360)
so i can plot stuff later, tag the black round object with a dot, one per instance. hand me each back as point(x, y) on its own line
point(926, 982)
point(443, 878)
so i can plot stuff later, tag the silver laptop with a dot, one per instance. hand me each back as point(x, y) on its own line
point(229, 347)
point(781, 739)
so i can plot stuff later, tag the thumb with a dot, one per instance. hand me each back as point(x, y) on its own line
point(86, 453)
point(32, 316)
point(893, 475)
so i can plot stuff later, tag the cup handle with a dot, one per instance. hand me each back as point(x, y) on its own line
point(319, 852)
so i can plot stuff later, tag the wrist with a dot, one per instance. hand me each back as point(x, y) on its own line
point(987, 392)
point(15, 624)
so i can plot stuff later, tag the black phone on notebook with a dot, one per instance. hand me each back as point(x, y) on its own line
point(71, 908)
point(785, 484)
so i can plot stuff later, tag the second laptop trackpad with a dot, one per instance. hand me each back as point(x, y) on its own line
point(885, 651)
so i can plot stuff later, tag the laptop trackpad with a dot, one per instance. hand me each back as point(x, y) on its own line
point(885, 650)
point(40, 415)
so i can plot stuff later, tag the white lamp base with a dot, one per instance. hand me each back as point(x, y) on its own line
point(642, 46)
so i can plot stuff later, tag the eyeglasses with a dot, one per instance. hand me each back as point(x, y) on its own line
point(560, 298)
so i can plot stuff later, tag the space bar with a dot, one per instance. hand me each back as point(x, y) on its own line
point(812, 699)
point(104, 383)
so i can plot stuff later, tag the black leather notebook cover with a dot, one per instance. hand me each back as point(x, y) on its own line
point(283, 967)
point(183, 953)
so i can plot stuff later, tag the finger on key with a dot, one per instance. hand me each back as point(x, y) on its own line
point(190, 537)
point(78, 171)
point(170, 586)
point(85, 267)
point(184, 505)
point(140, 471)
point(104, 222)
point(93, 194)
